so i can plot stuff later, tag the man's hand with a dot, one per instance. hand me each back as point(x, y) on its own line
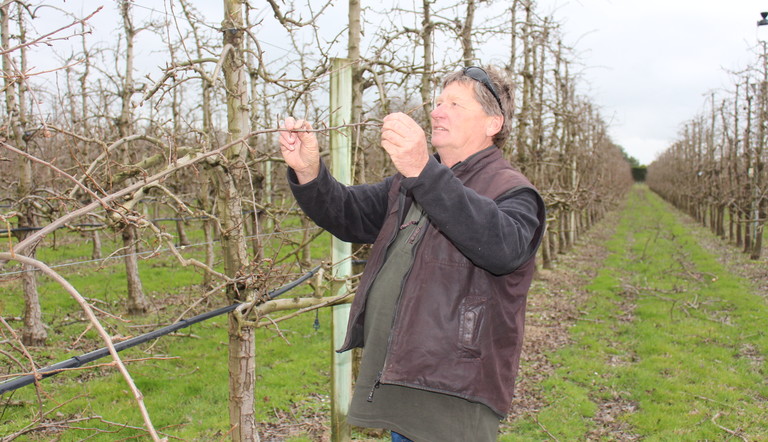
point(405, 142)
point(300, 149)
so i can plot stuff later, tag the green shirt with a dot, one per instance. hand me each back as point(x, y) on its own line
point(417, 414)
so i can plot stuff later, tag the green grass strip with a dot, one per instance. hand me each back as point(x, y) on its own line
point(672, 346)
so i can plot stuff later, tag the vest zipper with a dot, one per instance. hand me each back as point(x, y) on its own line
point(376, 384)
point(415, 234)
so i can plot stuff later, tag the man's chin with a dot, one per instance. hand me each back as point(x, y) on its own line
point(437, 141)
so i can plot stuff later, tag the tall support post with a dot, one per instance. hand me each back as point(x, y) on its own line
point(341, 167)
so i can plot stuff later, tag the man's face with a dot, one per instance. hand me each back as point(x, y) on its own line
point(458, 119)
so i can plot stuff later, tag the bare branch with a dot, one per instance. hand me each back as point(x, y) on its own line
point(46, 38)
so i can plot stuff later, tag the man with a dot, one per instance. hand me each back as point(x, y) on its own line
point(440, 307)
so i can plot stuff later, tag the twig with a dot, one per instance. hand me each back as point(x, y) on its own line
point(717, 402)
point(277, 329)
point(4, 51)
point(181, 163)
point(184, 261)
point(80, 336)
point(727, 430)
point(66, 424)
point(545, 429)
point(8, 228)
point(12, 358)
point(596, 321)
point(308, 305)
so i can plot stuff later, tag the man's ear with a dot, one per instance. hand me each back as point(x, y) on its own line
point(494, 124)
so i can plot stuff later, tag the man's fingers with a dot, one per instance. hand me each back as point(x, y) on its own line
point(286, 142)
point(394, 124)
point(287, 137)
point(390, 138)
point(402, 125)
point(292, 125)
point(293, 132)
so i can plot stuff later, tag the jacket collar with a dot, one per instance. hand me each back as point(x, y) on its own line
point(490, 152)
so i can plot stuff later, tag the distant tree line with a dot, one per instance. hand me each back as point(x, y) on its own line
point(715, 170)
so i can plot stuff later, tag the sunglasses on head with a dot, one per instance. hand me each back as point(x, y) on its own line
point(479, 74)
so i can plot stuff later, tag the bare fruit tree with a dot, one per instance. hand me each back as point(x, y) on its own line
point(715, 171)
point(190, 135)
point(19, 133)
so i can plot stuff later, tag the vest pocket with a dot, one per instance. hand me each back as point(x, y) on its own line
point(472, 313)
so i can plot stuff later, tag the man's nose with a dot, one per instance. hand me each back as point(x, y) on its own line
point(437, 111)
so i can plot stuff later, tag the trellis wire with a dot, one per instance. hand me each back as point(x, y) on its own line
point(147, 252)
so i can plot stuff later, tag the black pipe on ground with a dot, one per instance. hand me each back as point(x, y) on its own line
point(78, 361)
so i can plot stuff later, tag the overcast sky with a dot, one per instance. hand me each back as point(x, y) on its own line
point(650, 64)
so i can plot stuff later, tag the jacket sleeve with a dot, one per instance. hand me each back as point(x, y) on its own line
point(496, 235)
point(350, 213)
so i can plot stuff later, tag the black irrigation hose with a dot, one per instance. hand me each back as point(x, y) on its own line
point(78, 361)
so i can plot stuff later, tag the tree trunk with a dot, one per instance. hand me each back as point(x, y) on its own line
point(546, 256)
point(522, 139)
point(203, 200)
point(757, 247)
point(210, 254)
point(759, 181)
point(242, 347)
point(427, 38)
point(258, 183)
point(34, 331)
point(353, 55)
point(96, 239)
point(242, 382)
point(467, 50)
point(137, 302)
point(305, 256)
point(181, 231)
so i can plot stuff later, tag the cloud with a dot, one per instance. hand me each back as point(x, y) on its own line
point(651, 65)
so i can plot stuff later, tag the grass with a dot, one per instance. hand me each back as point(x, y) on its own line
point(183, 377)
point(672, 346)
point(187, 395)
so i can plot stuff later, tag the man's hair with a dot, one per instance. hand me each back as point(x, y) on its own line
point(504, 87)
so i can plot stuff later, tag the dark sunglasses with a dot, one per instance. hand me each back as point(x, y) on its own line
point(479, 74)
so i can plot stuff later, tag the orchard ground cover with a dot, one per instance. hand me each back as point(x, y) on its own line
point(650, 328)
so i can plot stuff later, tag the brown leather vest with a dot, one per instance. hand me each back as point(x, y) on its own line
point(458, 328)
